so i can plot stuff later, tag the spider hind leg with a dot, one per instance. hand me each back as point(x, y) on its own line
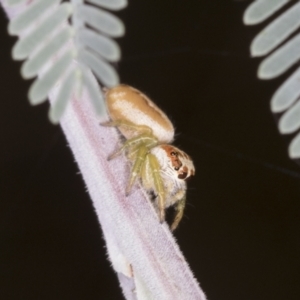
point(128, 125)
point(132, 145)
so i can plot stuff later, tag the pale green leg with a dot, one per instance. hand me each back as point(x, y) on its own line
point(137, 166)
point(158, 184)
point(141, 145)
point(147, 141)
point(179, 208)
point(129, 125)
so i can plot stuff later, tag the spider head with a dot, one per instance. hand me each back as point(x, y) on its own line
point(174, 162)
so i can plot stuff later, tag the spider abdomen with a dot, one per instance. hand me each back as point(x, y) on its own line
point(127, 104)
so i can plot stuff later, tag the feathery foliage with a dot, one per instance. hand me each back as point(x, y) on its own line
point(281, 43)
point(64, 44)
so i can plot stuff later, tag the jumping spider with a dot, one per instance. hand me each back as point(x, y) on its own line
point(161, 167)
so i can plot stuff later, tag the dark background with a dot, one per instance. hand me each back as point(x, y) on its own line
point(240, 233)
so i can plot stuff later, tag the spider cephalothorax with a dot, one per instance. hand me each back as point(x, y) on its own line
point(161, 167)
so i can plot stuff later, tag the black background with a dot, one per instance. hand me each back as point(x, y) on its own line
point(240, 233)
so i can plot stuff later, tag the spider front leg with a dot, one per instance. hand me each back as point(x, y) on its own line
point(137, 166)
point(179, 208)
point(154, 169)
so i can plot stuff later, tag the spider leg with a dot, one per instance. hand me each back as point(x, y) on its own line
point(179, 208)
point(158, 184)
point(147, 140)
point(137, 166)
point(128, 125)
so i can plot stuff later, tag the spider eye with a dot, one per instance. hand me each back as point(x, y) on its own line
point(176, 168)
point(174, 153)
point(182, 176)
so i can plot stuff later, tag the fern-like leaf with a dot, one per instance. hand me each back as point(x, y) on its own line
point(285, 53)
point(59, 50)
